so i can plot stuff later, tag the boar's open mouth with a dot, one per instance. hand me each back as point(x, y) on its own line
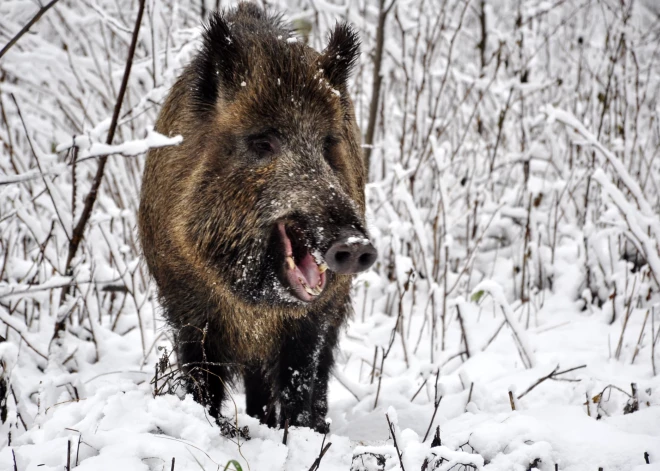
point(304, 271)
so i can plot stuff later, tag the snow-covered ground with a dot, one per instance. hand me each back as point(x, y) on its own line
point(119, 424)
point(514, 200)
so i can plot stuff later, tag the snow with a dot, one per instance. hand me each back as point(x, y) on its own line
point(128, 148)
point(357, 240)
point(516, 223)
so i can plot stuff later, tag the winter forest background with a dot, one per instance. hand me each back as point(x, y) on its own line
point(512, 321)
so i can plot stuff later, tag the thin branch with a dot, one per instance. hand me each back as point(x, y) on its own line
point(552, 375)
point(90, 199)
point(317, 461)
point(36, 158)
point(436, 405)
point(27, 27)
point(377, 81)
point(396, 445)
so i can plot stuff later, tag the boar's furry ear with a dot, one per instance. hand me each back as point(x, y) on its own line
point(217, 63)
point(340, 55)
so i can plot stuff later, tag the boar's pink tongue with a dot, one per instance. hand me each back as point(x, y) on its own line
point(303, 273)
point(310, 270)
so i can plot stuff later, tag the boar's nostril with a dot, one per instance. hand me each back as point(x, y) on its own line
point(342, 257)
point(350, 255)
point(366, 260)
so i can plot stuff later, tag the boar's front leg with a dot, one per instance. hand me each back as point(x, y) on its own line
point(205, 379)
point(206, 376)
point(259, 394)
point(301, 356)
point(320, 395)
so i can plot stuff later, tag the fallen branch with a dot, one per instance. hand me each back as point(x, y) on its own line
point(553, 375)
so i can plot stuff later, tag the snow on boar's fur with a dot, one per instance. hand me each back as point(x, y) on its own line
point(240, 222)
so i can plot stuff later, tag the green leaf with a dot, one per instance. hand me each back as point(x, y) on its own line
point(235, 464)
point(476, 297)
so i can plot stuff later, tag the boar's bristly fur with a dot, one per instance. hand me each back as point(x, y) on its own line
point(236, 221)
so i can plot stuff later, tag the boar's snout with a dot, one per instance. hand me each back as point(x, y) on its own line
point(351, 253)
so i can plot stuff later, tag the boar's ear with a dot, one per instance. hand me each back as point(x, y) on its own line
point(217, 64)
point(339, 57)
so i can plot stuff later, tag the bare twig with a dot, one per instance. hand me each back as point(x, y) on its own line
point(22, 330)
point(317, 461)
point(68, 455)
point(633, 404)
point(552, 375)
point(27, 27)
point(654, 340)
point(36, 157)
point(639, 340)
point(373, 365)
point(396, 445)
point(377, 80)
point(625, 321)
point(463, 334)
point(469, 399)
point(78, 448)
point(436, 404)
point(286, 432)
point(519, 335)
point(586, 395)
point(421, 386)
point(90, 199)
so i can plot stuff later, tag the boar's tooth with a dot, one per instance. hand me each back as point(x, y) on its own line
point(313, 291)
point(322, 268)
point(290, 263)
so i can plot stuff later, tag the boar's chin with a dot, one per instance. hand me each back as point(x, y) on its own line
point(286, 270)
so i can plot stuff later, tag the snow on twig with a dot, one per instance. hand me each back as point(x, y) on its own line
point(622, 173)
point(130, 148)
point(90, 150)
point(519, 335)
point(635, 220)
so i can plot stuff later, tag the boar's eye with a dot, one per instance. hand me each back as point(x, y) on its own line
point(264, 145)
point(329, 151)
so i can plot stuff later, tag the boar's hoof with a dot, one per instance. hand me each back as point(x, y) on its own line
point(230, 430)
